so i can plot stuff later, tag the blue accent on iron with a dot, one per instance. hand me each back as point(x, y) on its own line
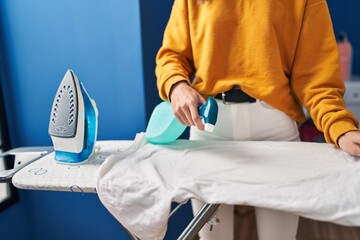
point(90, 134)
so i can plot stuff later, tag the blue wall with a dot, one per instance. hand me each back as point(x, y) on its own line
point(154, 17)
point(101, 42)
point(111, 46)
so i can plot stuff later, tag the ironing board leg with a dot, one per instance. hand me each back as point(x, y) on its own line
point(200, 219)
point(132, 236)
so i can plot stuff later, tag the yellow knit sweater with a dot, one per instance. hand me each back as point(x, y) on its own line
point(283, 52)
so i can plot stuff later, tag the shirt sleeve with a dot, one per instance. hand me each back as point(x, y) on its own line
point(174, 59)
point(316, 79)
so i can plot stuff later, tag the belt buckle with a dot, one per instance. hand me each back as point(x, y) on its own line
point(223, 98)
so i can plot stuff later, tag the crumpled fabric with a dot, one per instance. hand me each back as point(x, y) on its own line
point(313, 180)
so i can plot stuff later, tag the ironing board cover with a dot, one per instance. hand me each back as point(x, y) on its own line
point(48, 174)
point(314, 180)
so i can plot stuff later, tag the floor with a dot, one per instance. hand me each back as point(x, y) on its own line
point(307, 229)
point(314, 230)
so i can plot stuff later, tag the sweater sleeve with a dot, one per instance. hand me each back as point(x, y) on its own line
point(316, 79)
point(174, 59)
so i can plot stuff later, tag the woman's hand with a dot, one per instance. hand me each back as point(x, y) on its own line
point(185, 100)
point(350, 142)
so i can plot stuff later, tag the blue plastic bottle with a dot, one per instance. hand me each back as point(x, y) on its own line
point(164, 127)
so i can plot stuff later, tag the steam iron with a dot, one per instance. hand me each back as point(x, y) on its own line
point(73, 121)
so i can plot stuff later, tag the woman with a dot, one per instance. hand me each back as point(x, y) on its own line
point(263, 60)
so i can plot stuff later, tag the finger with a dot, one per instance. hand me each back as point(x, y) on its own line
point(179, 113)
point(188, 111)
point(355, 149)
point(182, 118)
point(355, 137)
point(189, 116)
point(350, 147)
point(196, 119)
point(201, 100)
point(193, 108)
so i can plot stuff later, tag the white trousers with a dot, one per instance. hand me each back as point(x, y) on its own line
point(256, 122)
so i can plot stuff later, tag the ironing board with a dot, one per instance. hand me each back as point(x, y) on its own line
point(42, 172)
point(48, 174)
point(36, 169)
